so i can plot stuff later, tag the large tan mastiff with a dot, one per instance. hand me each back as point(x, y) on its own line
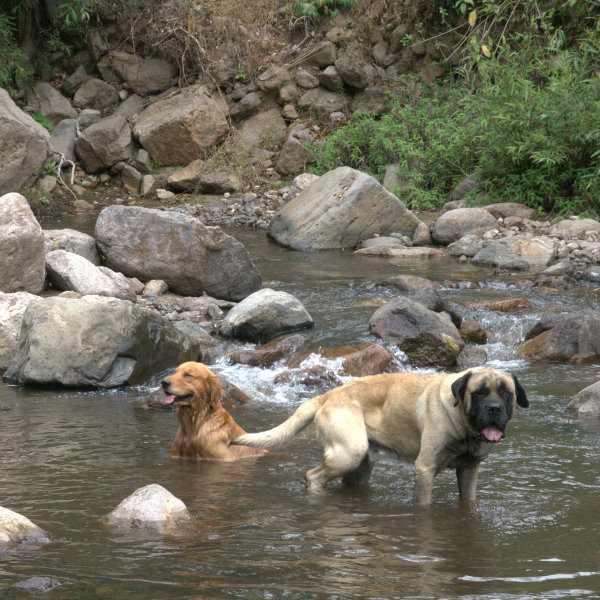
point(436, 421)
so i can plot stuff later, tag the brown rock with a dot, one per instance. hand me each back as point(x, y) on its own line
point(181, 128)
point(573, 340)
point(317, 375)
point(188, 178)
point(472, 331)
point(267, 354)
point(504, 305)
point(409, 283)
point(358, 361)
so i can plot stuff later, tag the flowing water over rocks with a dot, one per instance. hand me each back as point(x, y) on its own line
point(70, 457)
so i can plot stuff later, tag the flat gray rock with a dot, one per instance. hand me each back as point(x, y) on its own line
point(72, 241)
point(537, 252)
point(68, 271)
point(577, 227)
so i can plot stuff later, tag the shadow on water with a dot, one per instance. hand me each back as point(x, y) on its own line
point(70, 457)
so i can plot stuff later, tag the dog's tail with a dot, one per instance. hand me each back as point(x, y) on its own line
point(279, 437)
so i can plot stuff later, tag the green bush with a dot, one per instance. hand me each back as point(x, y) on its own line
point(14, 62)
point(530, 127)
point(315, 8)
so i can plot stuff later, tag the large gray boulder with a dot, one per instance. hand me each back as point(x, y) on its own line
point(24, 147)
point(538, 252)
point(72, 241)
point(94, 342)
point(189, 257)
point(586, 403)
point(143, 75)
point(12, 309)
point(21, 247)
point(180, 129)
point(455, 224)
point(69, 271)
point(104, 144)
point(574, 339)
point(52, 104)
point(427, 338)
point(264, 315)
point(149, 507)
point(342, 208)
point(15, 528)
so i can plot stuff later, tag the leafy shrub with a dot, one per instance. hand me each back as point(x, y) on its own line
point(14, 62)
point(43, 121)
point(315, 8)
point(530, 127)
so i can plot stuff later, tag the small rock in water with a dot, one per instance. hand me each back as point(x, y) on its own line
point(149, 507)
point(39, 584)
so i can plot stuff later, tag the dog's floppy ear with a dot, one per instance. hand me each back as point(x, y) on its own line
point(521, 395)
point(214, 388)
point(459, 387)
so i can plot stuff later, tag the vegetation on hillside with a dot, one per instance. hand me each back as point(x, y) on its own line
point(524, 114)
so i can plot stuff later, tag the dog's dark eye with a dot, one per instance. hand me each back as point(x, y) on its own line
point(479, 394)
point(506, 395)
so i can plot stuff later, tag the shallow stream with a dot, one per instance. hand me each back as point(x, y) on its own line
point(70, 457)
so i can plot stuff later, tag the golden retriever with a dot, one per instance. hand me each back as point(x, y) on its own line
point(205, 427)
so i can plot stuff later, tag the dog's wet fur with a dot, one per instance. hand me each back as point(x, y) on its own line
point(205, 427)
point(435, 421)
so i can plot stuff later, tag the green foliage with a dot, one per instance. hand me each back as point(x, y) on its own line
point(50, 169)
point(14, 62)
point(316, 8)
point(75, 12)
point(530, 127)
point(43, 121)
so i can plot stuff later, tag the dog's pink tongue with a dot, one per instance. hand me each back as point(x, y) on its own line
point(168, 399)
point(492, 434)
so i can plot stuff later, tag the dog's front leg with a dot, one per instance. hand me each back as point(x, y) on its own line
point(467, 481)
point(424, 476)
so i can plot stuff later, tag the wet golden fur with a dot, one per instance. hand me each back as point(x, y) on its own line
point(205, 427)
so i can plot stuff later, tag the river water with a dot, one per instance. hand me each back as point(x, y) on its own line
point(70, 457)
